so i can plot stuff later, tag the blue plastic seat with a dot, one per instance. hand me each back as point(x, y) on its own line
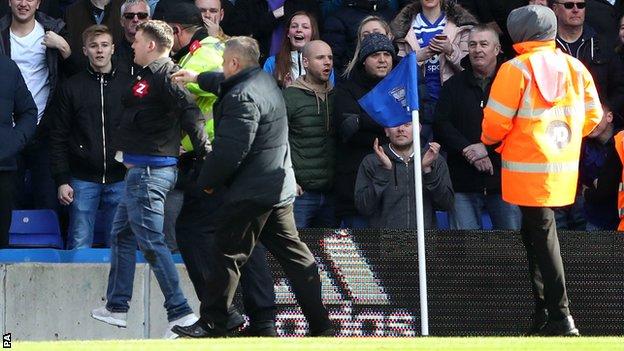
point(35, 228)
point(87, 256)
point(30, 255)
point(486, 221)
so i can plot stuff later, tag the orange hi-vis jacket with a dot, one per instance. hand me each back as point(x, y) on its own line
point(619, 147)
point(542, 103)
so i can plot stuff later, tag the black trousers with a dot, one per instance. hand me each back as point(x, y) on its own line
point(195, 235)
point(239, 228)
point(539, 235)
point(7, 184)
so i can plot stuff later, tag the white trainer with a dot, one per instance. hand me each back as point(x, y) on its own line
point(184, 321)
point(117, 319)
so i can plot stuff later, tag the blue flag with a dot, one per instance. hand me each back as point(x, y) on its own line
point(391, 102)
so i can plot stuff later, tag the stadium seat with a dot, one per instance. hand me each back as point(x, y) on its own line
point(35, 228)
point(30, 255)
point(86, 256)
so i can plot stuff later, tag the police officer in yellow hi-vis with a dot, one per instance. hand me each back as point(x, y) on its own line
point(541, 105)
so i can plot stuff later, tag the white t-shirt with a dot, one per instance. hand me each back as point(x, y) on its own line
point(30, 56)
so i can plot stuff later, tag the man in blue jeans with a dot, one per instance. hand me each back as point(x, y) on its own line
point(86, 113)
point(148, 141)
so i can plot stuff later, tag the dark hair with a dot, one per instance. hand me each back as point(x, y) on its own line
point(95, 30)
point(160, 32)
point(283, 58)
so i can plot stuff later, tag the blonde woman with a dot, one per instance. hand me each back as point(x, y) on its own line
point(370, 24)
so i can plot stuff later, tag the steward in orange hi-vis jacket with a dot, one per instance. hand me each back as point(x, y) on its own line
point(541, 105)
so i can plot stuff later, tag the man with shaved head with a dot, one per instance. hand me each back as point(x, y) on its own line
point(309, 105)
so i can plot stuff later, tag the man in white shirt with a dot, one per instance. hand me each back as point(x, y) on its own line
point(35, 42)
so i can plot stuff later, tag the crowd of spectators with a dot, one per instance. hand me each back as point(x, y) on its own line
point(325, 55)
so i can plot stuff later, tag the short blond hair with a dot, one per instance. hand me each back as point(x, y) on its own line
point(160, 32)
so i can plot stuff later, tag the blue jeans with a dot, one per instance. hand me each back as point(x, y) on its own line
point(314, 209)
point(354, 222)
point(88, 198)
point(139, 219)
point(468, 207)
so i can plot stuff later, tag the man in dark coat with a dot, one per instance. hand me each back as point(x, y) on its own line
point(18, 120)
point(250, 165)
point(459, 114)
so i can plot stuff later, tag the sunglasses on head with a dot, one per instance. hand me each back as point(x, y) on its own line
point(570, 5)
point(130, 15)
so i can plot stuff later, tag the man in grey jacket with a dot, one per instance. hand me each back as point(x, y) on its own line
point(384, 189)
point(250, 167)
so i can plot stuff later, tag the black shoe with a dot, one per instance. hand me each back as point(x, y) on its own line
point(260, 329)
point(235, 321)
point(199, 330)
point(563, 327)
point(539, 320)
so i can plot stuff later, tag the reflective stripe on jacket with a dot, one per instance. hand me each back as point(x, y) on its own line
point(542, 103)
point(619, 147)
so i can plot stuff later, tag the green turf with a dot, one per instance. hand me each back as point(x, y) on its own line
point(338, 344)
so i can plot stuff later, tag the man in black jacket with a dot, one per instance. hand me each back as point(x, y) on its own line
point(250, 165)
point(86, 115)
point(155, 111)
point(18, 120)
point(459, 114)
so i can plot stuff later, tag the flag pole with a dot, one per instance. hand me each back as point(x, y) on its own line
point(422, 266)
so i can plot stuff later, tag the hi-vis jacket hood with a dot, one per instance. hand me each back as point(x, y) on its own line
point(550, 71)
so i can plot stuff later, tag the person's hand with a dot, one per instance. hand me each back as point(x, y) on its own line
point(431, 155)
point(65, 194)
point(54, 41)
point(299, 190)
point(474, 152)
point(212, 28)
point(278, 13)
point(424, 54)
point(381, 155)
point(484, 165)
point(441, 45)
point(184, 76)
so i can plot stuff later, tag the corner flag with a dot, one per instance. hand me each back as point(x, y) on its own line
point(391, 102)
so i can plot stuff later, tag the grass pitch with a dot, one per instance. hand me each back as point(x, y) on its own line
point(337, 344)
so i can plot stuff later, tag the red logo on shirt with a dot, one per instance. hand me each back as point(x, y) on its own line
point(140, 89)
point(194, 46)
